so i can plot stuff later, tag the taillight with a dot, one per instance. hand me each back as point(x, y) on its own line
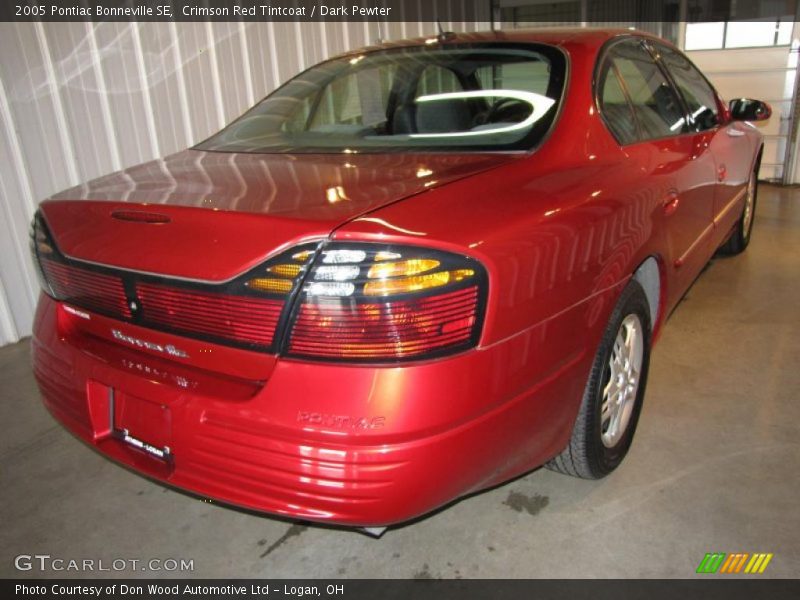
point(96, 291)
point(248, 312)
point(357, 302)
point(371, 303)
point(93, 289)
point(42, 246)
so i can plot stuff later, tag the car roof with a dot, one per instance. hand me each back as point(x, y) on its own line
point(588, 37)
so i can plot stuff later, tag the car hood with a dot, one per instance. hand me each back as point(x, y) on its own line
point(234, 210)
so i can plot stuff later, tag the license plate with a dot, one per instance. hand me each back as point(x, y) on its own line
point(143, 424)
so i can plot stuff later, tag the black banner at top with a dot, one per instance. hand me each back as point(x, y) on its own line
point(245, 10)
point(446, 11)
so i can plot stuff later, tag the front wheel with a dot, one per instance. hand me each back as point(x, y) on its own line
point(740, 238)
point(612, 399)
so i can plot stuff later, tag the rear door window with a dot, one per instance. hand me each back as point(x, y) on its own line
point(614, 107)
point(696, 91)
point(658, 110)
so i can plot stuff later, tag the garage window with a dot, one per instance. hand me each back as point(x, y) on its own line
point(717, 35)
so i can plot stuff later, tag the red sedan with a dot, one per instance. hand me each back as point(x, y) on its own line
point(410, 273)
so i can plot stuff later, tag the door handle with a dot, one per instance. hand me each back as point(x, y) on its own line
point(733, 132)
point(671, 203)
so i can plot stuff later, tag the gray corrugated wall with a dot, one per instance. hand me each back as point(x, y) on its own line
point(78, 100)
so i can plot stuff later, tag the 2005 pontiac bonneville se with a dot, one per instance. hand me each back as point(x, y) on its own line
point(410, 273)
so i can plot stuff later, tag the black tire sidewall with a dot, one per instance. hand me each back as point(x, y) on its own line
point(744, 236)
point(603, 460)
point(740, 239)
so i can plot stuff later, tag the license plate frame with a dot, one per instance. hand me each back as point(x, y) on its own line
point(141, 424)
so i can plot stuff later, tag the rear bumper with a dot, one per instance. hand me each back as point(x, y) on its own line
point(353, 445)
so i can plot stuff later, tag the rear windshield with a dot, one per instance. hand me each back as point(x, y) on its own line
point(481, 97)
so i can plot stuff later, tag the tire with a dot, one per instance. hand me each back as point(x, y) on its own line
point(740, 238)
point(596, 447)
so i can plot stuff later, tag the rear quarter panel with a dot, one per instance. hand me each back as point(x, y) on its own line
point(555, 230)
point(560, 233)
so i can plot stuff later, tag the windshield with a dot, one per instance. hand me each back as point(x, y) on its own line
point(478, 96)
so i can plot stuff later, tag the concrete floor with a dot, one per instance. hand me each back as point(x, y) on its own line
point(714, 467)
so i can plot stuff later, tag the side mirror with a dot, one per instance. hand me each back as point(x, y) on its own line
point(746, 109)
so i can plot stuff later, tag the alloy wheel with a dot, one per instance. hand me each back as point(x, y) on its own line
point(619, 394)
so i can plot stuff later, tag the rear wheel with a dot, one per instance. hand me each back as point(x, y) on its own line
point(612, 399)
point(740, 238)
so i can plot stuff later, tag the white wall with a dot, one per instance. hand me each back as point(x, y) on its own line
point(78, 100)
point(766, 74)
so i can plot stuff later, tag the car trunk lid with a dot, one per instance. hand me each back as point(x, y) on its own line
point(156, 217)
